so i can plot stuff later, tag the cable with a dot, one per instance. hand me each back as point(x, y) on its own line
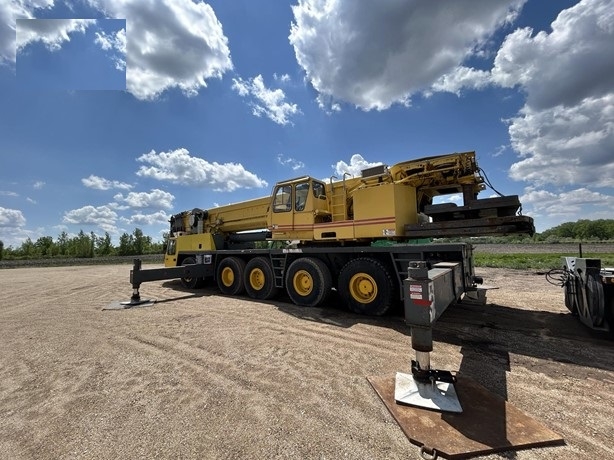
point(557, 276)
point(487, 181)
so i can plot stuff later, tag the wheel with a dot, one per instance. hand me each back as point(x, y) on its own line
point(308, 282)
point(259, 279)
point(230, 276)
point(191, 283)
point(366, 286)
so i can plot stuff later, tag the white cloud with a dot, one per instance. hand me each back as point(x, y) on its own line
point(159, 217)
point(355, 167)
point(115, 43)
point(564, 134)
point(179, 167)
point(454, 198)
point(284, 78)
point(39, 185)
point(265, 101)
point(155, 199)
point(10, 11)
point(565, 145)
point(567, 205)
point(12, 218)
point(8, 193)
point(565, 66)
point(376, 54)
point(291, 162)
point(170, 44)
point(51, 32)
point(460, 78)
point(30, 200)
point(102, 216)
point(100, 183)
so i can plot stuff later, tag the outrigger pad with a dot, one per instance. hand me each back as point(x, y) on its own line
point(117, 305)
point(436, 395)
point(488, 423)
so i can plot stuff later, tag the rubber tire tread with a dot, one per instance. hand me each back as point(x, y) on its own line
point(383, 279)
point(269, 291)
point(322, 278)
point(237, 265)
point(194, 283)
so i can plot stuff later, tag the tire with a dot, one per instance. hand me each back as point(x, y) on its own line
point(308, 282)
point(366, 286)
point(229, 276)
point(259, 280)
point(191, 283)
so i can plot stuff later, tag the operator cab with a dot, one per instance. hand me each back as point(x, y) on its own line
point(297, 205)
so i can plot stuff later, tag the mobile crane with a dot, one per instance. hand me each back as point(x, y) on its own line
point(354, 234)
point(358, 235)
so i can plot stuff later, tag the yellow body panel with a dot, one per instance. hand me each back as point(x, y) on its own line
point(238, 217)
point(383, 211)
point(196, 242)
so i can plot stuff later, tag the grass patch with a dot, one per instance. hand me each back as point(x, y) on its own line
point(533, 261)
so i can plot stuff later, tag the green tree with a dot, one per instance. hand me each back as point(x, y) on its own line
point(1, 249)
point(44, 246)
point(126, 245)
point(104, 246)
point(139, 242)
point(62, 243)
point(81, 245)
point(27, 249)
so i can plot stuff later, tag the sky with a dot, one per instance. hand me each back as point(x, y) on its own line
point(116, 114)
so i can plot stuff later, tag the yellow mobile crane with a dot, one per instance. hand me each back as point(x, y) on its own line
point(354, 234)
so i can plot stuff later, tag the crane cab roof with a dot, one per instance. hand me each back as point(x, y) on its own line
point(297, 179)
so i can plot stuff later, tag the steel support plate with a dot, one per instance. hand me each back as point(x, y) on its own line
point(487, 424)
point(117, 305)
point(437, 396)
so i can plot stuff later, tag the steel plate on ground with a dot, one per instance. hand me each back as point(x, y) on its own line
point(117, 305)
point(437, 395)
point(487, 424)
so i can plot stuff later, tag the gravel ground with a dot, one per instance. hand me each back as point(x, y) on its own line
point(199, 375)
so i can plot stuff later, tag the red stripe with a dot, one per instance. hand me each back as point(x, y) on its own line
point(422, 302)
point(346, 223)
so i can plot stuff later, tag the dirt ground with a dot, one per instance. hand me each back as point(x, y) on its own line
point(199, 375)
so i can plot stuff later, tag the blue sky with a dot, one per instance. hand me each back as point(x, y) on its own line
point(87, 62)
point(176, 104)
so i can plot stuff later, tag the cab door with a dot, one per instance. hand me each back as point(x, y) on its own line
point(282, 213)
point(292, 212)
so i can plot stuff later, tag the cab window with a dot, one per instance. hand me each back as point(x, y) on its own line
point(283, 199)
point(302, 191)
point(319, 191)
point(171, 246)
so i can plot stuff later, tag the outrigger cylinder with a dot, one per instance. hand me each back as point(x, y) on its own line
point(427, 294)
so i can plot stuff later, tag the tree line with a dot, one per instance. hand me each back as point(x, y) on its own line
point(581, 230)
point(601, 230)
point(83, 245)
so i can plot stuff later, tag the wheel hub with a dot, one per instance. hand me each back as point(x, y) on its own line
point(228, 276)
point(363, 288)
point(302, 282)
point(256, 279)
